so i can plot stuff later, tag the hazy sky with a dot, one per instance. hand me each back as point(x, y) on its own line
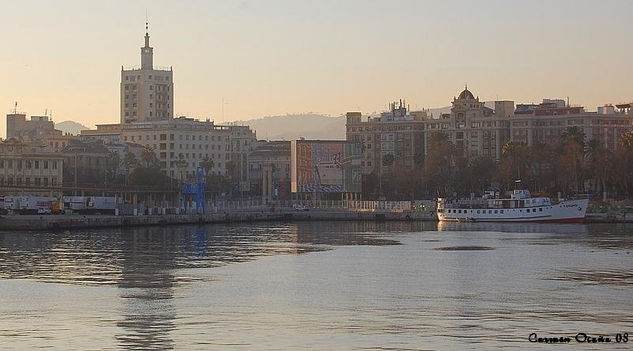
point(277, 57)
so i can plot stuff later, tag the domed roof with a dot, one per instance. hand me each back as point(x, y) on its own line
point(466, 94)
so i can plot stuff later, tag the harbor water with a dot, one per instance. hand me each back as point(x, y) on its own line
point(316, 285)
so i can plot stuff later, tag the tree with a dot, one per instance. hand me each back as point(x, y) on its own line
point(514, 162)
point(149, 159)
point(623, 168)
point(440, 164)
point(207, 164)
point(599, 164)
point(571, 157)
point(387, 160)
point(130, 160)
point(112, 168)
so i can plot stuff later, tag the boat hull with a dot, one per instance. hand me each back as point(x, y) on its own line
point(570, 211)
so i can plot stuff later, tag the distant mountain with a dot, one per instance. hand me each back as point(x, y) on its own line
point(289, 127)
point(307, 125)
point(70, 127)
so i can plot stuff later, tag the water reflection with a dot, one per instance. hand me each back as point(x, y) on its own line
point(514, 227)
point(473, 282)
point(145, 263)
point(146, 287)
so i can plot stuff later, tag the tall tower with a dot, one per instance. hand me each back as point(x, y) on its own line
point(147, 52)
point(147, 93)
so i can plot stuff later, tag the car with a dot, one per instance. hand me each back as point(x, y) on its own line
point(301, 208)
point(44, 211)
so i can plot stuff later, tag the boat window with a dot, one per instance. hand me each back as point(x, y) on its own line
point(478, 211)
point(490, 211)
point(459, 211)
point(540, 209)
point(501, 211)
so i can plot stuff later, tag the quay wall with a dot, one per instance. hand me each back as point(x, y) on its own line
point(59, 222)
point(62, 222)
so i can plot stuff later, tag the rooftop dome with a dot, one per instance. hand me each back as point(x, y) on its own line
point(466, 94)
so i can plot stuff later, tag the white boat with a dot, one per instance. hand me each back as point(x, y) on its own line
point(520, 207)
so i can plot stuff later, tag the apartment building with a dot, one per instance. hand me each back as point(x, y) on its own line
point(147, 92)
point(29, 165)
point(396, 135)
point(546, 122)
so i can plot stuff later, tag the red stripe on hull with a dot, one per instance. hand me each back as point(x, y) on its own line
point(563, 220)
point(527, 220)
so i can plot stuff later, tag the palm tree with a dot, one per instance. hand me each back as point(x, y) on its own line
point(599, 164)
point(574, 134)
point(514, 161)
point(181, 163)
point(149, 158)
point(112, 166)
point(572, 154)
point(130, 163)
point(207, 164)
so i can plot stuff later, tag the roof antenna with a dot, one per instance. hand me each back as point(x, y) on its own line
point(15, 109)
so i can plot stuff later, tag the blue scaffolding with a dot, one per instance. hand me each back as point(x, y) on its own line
point(197, 189)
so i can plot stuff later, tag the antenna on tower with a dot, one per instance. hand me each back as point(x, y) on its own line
point(15, 109)
point(146, 23)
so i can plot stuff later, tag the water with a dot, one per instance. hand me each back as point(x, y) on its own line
point(315, 285)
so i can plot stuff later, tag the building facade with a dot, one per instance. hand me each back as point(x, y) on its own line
point(37, 129)
point(182, 144)
point(475, 129)
point(478, 130)
point(397, 135)
point(147, 93)
point(269, 170)
point(546, 122)
point(325, 169)
point(29, 165)
point(242, 142)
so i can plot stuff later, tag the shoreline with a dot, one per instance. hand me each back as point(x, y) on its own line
point(75, 221)
point(64, 222)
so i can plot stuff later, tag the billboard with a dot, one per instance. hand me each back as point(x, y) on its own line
point(323, 166)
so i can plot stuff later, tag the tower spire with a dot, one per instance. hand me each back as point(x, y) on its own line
point(147, 51)
point(146, 31)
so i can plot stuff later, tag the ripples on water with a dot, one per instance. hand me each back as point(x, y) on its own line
point(133, 256)
point(365, 285)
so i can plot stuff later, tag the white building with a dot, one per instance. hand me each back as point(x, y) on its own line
point(181, 144)
point(147, 93)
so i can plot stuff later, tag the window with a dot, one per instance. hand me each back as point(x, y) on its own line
point(45, 164)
